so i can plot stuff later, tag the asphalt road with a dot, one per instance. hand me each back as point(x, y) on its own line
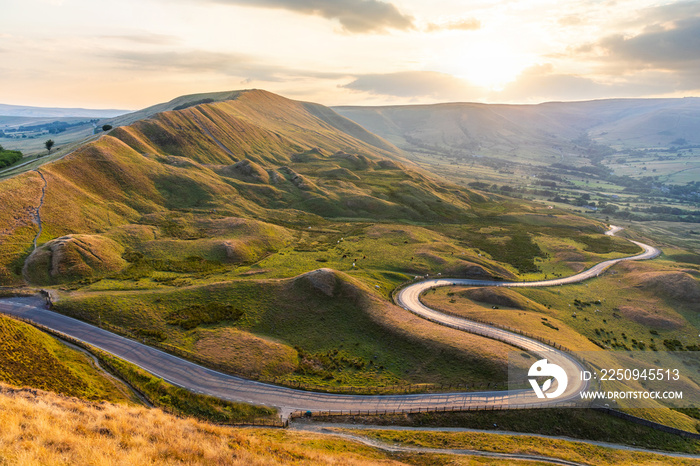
point(207, 381)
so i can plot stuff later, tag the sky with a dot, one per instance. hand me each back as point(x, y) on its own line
point(129, 54)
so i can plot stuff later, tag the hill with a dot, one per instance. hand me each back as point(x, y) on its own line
point(56, 112)
point(519, 130)
point(264, 236)
point(260, 106)
point(258, 155)
point(322, 328)
point(631, 160)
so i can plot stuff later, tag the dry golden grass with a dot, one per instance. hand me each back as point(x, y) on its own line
point(41, 428)
point(245, 353)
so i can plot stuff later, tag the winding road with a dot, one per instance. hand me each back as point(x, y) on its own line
point(207, 381)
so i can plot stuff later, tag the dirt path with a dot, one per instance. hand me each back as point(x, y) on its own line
point(37, 215)
point(325, 427)
point(206, 131)
point(395, 448)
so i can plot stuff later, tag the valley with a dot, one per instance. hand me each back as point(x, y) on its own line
point(275, 241)
point(626, 161)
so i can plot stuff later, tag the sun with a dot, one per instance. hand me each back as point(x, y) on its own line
point(488, 65)
point(492, 66)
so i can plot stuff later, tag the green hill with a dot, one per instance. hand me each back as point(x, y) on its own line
point(254, 155)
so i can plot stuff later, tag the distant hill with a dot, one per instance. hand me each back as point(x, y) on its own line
point(521, 130)
point(51, 112)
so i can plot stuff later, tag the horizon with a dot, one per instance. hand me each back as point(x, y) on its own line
point(353, 105)
point(69, 53)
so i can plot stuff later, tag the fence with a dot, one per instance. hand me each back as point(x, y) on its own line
point(443, 409)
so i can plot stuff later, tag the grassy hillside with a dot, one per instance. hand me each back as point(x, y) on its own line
point(31, 358)
point(627, 161)
point(199, 226)
point(259, 155)
point(585, 424)
point(40, 428)
point(564, 449)
point(73, 257)
point(646, 306)
point(265, 236)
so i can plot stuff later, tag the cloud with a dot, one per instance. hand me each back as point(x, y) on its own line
point(144, 38)
point(571, 20)
point(677, 47)
point(468, 24)
point(356, 16)
point(542, 83)
point(200, 61)
point(664, 13)
point(659, 43)
point(416, 84)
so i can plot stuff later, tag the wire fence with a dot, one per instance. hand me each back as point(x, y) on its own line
point(439, 409)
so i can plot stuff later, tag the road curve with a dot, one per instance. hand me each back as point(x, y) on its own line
point(207, 381)
point(409, 298)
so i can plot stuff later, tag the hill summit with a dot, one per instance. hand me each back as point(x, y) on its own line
point(249, 154)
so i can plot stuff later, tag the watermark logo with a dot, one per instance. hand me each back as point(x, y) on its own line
point(544, 369)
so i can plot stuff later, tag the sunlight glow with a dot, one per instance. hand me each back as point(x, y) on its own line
point(490, 66)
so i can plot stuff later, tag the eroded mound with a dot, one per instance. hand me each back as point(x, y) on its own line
point(675, 285)
point(73, 257)
point(331, 283)
point(653, 318)
point(247, 170)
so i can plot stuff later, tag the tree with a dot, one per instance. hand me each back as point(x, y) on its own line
point(106, 127)
point(49, 144)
